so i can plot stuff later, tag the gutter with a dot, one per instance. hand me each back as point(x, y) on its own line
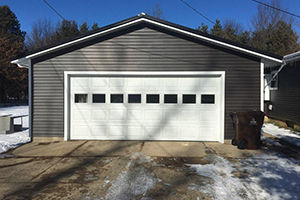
point(22, 63)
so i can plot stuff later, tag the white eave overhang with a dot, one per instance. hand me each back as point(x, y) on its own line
point(23, 62)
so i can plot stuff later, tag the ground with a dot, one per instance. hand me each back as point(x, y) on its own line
point(149, 170)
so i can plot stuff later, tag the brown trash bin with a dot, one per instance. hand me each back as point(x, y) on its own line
point(247, 126)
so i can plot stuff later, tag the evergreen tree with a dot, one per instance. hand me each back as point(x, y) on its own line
point(203, 28)
point(95, 27)
point(279, 38)
point(67, 29)
point(84, 28)
point(13, 80)
point(217, 29)
point(244, 38)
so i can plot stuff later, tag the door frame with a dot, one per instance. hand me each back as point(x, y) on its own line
point(69, 74)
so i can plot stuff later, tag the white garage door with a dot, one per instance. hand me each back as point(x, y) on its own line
point(145, 108)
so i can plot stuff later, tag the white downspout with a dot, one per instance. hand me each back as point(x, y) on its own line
point(29, 67)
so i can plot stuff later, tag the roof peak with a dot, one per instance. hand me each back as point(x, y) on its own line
point(141, 14)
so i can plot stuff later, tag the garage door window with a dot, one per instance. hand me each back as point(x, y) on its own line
point(116, 98)
point(152, 98)
point(189, 99)
point(98, 98)
point(207, 98)
point(81, 98)
point(171, 98)
point(134, 98)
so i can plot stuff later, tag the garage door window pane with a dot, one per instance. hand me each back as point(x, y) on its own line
point(81, 98)
point(208, 98)
point(116, 98)
point(152, 98)
point(170, 98)
point(134, 98)
point(189, 99)
point(98, 98)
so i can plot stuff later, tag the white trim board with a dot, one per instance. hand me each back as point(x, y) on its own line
point(217, 42)
point(69, 74)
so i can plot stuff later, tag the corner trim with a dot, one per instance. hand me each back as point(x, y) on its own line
point(30, 99)
point(262, 88)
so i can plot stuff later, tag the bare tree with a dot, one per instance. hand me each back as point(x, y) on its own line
point(268, 16)
point(41, 33)
point(233, 24)
point(273, 30)
point(156, 11)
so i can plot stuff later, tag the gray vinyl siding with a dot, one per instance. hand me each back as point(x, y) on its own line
point(144, 49)
point(286, 100)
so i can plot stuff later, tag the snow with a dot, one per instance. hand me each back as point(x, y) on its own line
point(259, 177)
point(14, 140)
point(283, 134)
point(136, 181)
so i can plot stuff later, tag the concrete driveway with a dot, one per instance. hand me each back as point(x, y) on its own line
point(110, 169)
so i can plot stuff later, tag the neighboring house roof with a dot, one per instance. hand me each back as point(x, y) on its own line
point(142, 18)
point(292, 56)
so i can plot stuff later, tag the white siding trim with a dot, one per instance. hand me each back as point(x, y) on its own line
point(262, 66)
point(66, 106)
point(222, 108)
point(30, 99)
point(69, 74)
point(152, 22)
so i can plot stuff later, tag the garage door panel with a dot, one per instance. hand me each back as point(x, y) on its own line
point(152, 132)
point(190, 118)
point(205, 133)
point(117, 131)
point(189, 132)
point(170, 132)
point(80, 83)
point(79, 115)
point(99, 82)
point(153, 82)
point(117, 115)
point(99, 131)
point(208, 83)
point(207, 116)
point(135, 82)
point(190, 83)
point(189, 115)
point(153, 114)
point(171, 115)
point(116, 82)
point(81, 131)
point(135, 132)
point(171, 82)
point(99, 115)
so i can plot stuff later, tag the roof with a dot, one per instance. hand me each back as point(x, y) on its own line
point(142, 18)
point(292, 56)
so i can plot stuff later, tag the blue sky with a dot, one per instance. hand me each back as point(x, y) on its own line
point(105, 12)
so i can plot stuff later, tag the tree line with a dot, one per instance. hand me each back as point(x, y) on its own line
point(272, 31)
point(44, 32)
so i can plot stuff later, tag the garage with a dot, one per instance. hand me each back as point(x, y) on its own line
point(143, 78)
point(146, 108)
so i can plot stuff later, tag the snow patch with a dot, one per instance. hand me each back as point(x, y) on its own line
point(14, 140)
point(136, 181)
point(259, 177)
point(283, 134)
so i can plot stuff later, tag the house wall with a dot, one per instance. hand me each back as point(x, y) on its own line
point(141, 48)
point(286, 100)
